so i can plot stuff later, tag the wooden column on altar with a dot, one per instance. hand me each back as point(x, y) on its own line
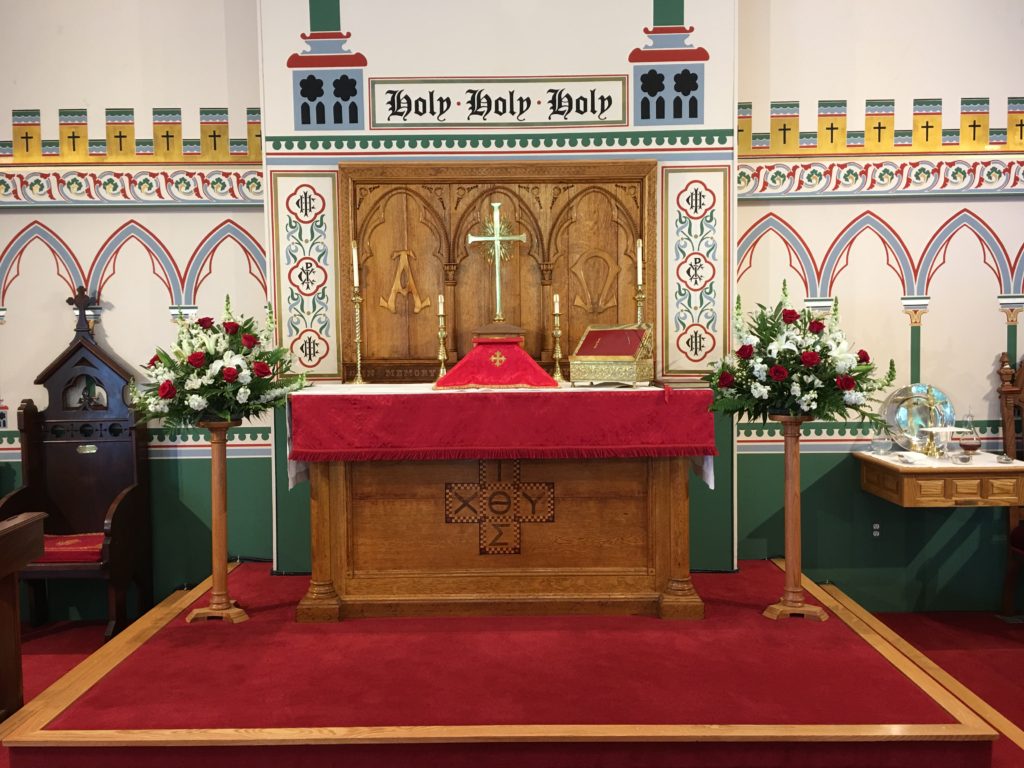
point(21, 541)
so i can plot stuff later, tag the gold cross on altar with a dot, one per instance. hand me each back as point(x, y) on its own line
point(498, 234)
point(497, 359)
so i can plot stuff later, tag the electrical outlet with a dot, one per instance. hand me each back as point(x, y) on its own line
point(876, 529)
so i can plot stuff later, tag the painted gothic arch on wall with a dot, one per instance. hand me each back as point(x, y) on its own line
point(68, 268)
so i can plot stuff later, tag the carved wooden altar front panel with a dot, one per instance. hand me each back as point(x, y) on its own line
point(411, 221)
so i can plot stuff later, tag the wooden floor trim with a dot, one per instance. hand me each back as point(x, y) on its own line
point(40, 711)
point(58, 697)
point(445, 734)
point(939, 693)
point(984, 710)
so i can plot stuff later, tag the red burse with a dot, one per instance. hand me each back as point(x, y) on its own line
point(73, 548)
point(498, 363)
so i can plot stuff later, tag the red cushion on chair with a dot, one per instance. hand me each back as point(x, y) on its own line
point(75, 548)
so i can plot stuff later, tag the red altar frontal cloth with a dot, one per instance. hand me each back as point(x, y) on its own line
point(498, 363)
point(349, 423)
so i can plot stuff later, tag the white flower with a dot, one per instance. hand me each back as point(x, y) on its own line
point(194, 381)
point(853, 397)
point(749, 339)
point(244, 376)
point(759, 369)
point(784, 341)
point(814, 381)
point(196, 402)
point(243, 395)
point(795, 389)
point(159, 406)
point(760, 391)
point(843, 358)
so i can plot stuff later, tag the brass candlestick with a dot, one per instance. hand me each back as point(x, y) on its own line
point(357, 301)
point(640, 298)
point(442, 352)
point(557, 353)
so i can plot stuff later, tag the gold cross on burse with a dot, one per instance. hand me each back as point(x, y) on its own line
point(498, 235)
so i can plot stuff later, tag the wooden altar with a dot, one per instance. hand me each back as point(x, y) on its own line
point(495, 502)
point(538, 502)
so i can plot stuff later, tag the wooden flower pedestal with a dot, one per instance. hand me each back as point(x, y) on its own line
point(792, 602)
point(221, 605)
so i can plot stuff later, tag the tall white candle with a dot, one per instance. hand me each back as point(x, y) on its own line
point(639, 263)
point(355, 265)
point(556, 304)
point(440, 303)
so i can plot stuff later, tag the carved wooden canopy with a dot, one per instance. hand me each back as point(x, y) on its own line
point(411, 221)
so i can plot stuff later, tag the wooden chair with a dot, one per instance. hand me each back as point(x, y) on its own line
point(1011, 405)
point(83, 462)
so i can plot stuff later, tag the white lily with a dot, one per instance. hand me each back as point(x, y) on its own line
point(781, 343)
point(843, 358)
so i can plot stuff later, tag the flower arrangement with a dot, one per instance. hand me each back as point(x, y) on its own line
point(223, 371)
point(797, 363)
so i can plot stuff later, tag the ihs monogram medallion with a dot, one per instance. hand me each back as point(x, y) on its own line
point(499, 508)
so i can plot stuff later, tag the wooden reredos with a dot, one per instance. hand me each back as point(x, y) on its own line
point(410, 223)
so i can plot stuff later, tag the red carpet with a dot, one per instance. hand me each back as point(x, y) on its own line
point(735, 667)
point(49, 652)
point(981, 651)
point(271, 672)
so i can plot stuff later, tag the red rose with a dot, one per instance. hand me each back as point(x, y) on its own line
point(778, 373)
point(863, 356)
point(746, 352)
point(261, 369)
point(205, 322)
point(810, 359)
point(249, 341)
point(153, 361)
point(846, 383)
point(197, 359)
point(230, 328)
point(230, 374)
point(816, 326)
point(166, 390)
point(726, 379)
point(790, 316)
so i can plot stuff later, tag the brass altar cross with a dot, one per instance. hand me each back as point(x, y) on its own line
point(497, 234)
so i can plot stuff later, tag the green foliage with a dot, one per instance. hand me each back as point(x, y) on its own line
point(796, 363)
point(223, 371)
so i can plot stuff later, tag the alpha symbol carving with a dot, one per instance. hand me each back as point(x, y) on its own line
point(404, 283)
point(499, 508)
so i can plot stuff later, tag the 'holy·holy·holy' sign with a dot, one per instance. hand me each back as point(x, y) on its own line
point(414, 103)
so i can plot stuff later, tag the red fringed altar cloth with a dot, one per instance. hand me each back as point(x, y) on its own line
point(410, 422)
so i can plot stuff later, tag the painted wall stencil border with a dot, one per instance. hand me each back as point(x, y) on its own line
point(307, 301)
point(837, 437)
point(972, 134)
point(696, 270)
point(103, 187)
point(890, 178)
point(78, 145)
point(298, 145)
point(166, 443)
